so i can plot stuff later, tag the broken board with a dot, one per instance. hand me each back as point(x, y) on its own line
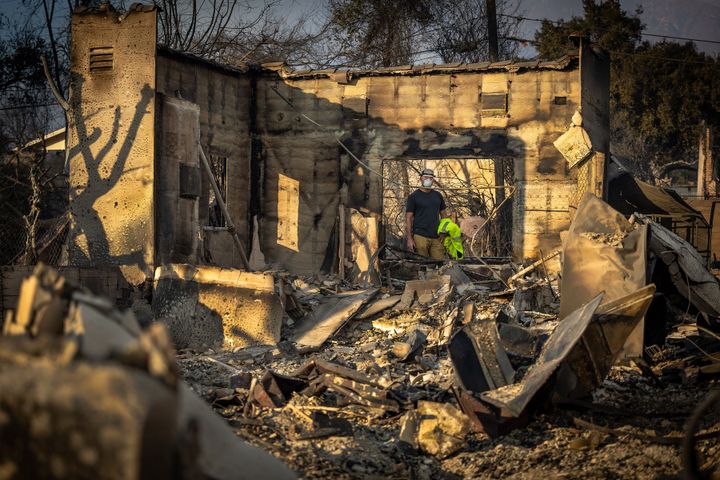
point(332, 313)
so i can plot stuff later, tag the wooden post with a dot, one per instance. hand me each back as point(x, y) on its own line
point(341, 241)
point(223, 208)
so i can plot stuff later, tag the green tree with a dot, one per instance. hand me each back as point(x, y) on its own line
point(659, 93)
point(606, 24)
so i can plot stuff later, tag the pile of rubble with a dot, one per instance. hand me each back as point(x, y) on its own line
point(472, 368)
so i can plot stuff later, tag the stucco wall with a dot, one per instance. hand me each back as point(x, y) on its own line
point(110, 141)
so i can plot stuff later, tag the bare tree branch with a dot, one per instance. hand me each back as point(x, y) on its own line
point(53, 87)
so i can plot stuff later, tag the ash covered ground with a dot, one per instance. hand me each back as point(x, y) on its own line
point(631, 426)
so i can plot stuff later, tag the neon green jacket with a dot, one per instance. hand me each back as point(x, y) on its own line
point(453, 240)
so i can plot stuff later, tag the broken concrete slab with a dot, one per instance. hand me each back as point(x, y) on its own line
point(332, 313)
point(210, 307)
point(411, 347)
point(424, 292)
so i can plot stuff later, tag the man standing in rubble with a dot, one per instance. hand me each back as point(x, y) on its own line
point(424, 208)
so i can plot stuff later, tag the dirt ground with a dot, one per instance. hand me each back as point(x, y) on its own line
point(636, 412)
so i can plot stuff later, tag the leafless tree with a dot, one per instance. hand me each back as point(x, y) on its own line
point(236, 32)
point(460, 30)
point(375, 33)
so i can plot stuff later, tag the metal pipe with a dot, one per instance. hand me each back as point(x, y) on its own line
point(223, 208)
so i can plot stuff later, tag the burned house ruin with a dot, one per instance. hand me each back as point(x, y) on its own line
point(229, 294)
point(140, 199)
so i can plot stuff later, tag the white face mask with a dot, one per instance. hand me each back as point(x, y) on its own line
point(427, 182)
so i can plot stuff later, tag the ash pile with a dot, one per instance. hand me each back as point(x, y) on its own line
point(601, 359)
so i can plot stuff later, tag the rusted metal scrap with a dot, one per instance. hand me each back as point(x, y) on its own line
point(488, 418)
point(686, 266)
point(517, 397)
point(317, 376)
point(480, 363)
point(575, 360)
point(590, 361)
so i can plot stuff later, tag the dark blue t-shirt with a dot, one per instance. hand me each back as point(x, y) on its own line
point(426, 207)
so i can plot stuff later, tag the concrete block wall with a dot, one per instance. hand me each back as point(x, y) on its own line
point(434, 116)
point(224, 97)
point(381, 115)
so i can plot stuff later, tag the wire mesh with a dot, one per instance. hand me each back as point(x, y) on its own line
point(469, 188)
point(50, 239)
point(583, 182)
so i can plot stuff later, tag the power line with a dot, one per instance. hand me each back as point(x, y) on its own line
point(630, 54)
point(659, 57)
point(557, 22)
point(681, 38)
point(634, 54)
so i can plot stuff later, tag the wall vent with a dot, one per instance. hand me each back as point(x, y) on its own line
point(101, 59)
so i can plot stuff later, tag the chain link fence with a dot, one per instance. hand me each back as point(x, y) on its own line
point(47, 247)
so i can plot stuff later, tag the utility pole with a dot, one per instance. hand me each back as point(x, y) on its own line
point(492, 30)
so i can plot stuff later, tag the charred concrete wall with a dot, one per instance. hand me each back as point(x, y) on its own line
point(393, 115)
point(223, 96)
point(178, 187)
point(110, 141)
point(292, 174)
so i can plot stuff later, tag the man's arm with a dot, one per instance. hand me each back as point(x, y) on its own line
point(408, 230)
